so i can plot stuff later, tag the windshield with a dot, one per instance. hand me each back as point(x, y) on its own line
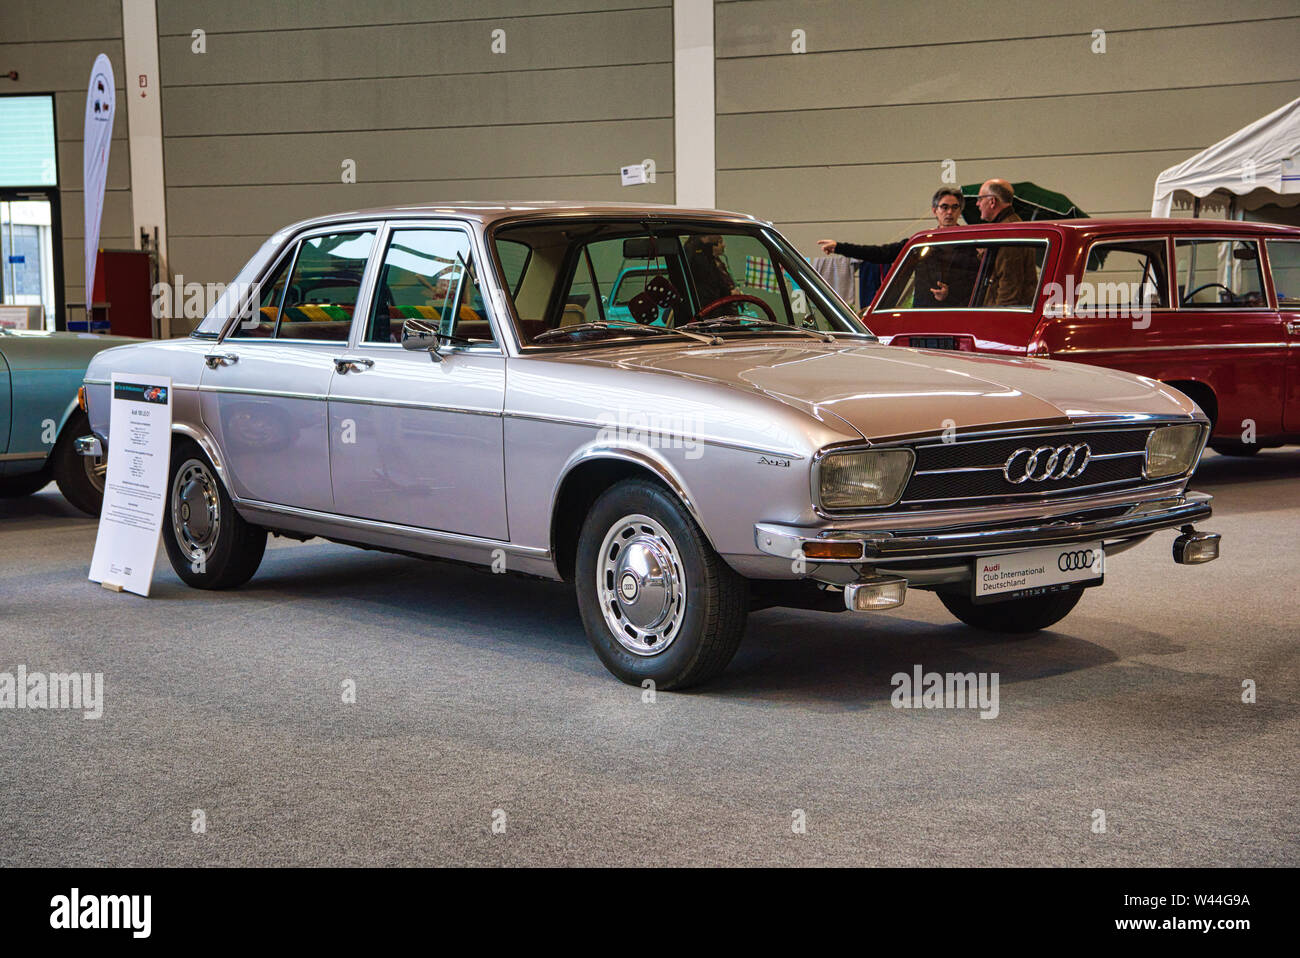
point(576, 282)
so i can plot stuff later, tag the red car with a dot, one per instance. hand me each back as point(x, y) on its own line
point(1210, 307)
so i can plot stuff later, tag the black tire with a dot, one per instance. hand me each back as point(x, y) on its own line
point(13, 487)
point(1015, 616)
point(80, 478)
point(690, 604)
point(1231, 447)
point(209, 544)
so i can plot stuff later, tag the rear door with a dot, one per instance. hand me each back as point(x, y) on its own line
point(265, 386)
point(1284, 268)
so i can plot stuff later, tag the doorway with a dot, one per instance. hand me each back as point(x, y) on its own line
point(31, 223)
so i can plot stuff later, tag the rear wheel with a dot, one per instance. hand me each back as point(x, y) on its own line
point(209, 544)
point(656, 601)
point(1014, 615)
point(80, 478)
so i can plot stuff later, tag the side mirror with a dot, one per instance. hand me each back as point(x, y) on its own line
point(419, 334)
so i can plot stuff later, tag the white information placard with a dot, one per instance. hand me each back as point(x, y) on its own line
point(135, 489)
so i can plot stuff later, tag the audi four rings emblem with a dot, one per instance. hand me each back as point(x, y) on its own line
point(1082, 559)
point(1046, 462)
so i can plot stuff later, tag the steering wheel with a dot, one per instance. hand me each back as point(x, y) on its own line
point(1232, 297)
point(738, 298)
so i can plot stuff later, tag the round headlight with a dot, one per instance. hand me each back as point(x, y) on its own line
point(865, 479)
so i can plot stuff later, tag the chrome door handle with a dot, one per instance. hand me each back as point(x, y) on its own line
point(351, 364)
point(220, 359)
point(1293, 327)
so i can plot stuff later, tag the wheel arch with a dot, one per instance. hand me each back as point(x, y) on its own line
point(1201, 393)
point(586, 476)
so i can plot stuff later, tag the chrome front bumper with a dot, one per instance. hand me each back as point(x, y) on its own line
point(873, 547)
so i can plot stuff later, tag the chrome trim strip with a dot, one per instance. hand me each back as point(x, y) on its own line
point(575, 421)
point(378, 525)
point(1135, 349)
point(250, 391)
point(17, 456)
point(410, 404)
point(942, 472)
point(1027, 496)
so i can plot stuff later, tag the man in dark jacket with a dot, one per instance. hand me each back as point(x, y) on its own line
point(1011, 278)
point(945, 276)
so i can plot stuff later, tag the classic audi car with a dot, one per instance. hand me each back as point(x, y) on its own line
point(40, 373)
point(448, 381)
point(1208, 306)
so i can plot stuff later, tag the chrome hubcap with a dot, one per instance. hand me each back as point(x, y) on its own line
point(96, 469)
point(641, 585)
point(195, 510)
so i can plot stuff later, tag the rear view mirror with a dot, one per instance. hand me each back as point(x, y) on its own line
point(640, 247)
point(1245, 251)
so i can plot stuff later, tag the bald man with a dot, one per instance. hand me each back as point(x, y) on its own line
point(1011, 279)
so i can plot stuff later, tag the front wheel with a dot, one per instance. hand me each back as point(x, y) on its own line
point(657, 602)
point(209, 544)
point(1014, 615)
point(1231, 447)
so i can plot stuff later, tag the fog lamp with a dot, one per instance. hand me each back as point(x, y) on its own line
point(1193, 548)
point(875, 594)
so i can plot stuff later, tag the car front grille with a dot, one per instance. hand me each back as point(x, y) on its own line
point(948, 474)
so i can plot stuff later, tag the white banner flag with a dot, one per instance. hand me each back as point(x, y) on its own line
point(101, 104)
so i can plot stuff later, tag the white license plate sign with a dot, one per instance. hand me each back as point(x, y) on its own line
point(1014, 575)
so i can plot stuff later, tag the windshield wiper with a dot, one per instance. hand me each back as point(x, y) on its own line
point(619, 326)
point(738, 322)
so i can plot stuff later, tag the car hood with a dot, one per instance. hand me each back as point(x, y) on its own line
point(43, 349)
point(887, 392)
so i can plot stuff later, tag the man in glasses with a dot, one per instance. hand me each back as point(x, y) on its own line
point(1011, 278)
point(945, 278)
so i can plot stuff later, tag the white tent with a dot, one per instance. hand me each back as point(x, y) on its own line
point(1258, 162)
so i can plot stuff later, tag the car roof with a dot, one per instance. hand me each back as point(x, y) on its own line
point(488, 213)
point(1091, 227)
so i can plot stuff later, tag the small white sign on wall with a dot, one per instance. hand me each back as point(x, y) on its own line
point(634, 174)
point(135, 489)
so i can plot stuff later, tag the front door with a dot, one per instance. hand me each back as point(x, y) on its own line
point(416, 440)
point(265, 386)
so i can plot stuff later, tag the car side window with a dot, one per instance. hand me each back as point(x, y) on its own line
point(1284, 261)
point(260, 315)
point(428, 274)
point(1218, 274)
point(1124, 275)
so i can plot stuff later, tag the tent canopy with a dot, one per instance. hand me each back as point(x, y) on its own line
point(1260, 157)
point(1031, 202)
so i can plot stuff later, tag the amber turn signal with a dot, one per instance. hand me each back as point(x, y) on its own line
point(833, 549)
point(81, 398)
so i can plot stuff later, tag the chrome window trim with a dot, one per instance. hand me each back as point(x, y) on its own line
point(291, 246)
point(391, 226)
point(1011, 241)
point(1091, 312)
point(1268, 307)
point(253, 391)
